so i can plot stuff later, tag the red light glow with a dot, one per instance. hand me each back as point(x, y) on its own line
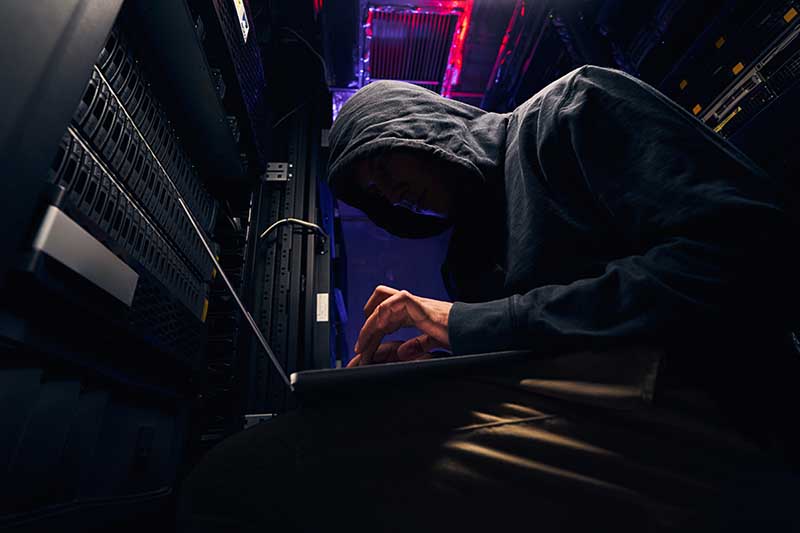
point(456, 60)
point(503, 52)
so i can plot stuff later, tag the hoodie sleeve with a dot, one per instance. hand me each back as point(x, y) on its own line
point(702, 224)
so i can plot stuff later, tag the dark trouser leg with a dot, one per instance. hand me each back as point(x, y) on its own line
point(465, 455)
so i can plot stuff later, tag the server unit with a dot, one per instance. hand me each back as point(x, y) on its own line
point(740, 77)
point(745, 60)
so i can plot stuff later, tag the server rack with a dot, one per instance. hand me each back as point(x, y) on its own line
point(103, 331)
point(122, 120)
point(744, 62)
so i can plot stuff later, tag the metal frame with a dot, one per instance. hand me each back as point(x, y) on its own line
point(288, 269)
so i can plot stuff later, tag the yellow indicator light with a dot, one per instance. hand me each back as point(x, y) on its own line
point(738, 68)
point(720, 42)
point(790, 15)
point(205, 310)
point(727, 119)
point(214, 273)
point(683, 85)
point(696, 109)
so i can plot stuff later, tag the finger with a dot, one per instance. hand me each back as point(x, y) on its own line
point(388, 317)
point(386, 352)
point(379, 323)
point(417, 346)
point(355, 361)
point(381, 293)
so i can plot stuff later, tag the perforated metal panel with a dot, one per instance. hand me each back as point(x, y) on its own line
point(411, 46)
point(165, 322)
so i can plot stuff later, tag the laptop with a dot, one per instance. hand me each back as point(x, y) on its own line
point(312, 382)
point(324, 380)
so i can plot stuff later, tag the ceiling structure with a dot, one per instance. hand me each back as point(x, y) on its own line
point(496, 53)
point(447, 46)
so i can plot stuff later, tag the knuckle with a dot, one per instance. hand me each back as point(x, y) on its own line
point(382, 315)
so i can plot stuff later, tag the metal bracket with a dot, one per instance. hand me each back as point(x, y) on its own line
point(278, 171)
point(252, 420)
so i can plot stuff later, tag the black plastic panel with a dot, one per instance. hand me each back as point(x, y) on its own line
point(171, 52)
point(81, 448)
point(47, 53)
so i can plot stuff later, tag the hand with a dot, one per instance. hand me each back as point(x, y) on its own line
point(387, 353)
point(388, 310)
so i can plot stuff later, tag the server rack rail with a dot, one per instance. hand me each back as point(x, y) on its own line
point(290, 270)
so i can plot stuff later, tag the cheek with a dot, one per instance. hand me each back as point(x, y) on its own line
point(444, 188)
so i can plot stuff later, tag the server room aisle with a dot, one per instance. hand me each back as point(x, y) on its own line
point(165, 195)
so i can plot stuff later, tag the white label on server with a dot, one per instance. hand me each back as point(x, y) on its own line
point(64, 240)
point(322, 307)
point(242, 14)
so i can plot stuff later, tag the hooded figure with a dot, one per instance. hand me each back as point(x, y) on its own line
point(595, 218)
point(596, 214)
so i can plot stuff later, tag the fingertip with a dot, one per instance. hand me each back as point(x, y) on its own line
point(404, 350)
point(409, 349)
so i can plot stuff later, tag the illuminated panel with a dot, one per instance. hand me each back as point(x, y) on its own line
point(241, 14)
point(418, 44)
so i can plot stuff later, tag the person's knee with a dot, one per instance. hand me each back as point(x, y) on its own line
point(243, 482)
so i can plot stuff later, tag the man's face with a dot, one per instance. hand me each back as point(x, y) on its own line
point(418, 183)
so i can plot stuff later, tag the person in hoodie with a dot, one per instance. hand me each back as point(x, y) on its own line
point(596, 213)
point(641, 260)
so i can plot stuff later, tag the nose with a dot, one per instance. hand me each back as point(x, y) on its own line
point(399, 201)
point(397, 196)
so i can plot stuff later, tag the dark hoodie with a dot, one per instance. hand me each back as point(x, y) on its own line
point(599, 212)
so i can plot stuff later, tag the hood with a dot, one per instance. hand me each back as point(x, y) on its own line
point(393, 115)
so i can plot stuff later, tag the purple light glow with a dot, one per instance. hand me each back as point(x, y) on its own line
point(339, 97)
